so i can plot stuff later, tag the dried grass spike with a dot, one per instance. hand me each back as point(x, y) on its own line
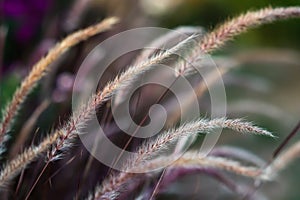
point(242, 23)
point(225, 32)
point(13, 167)
point(151, 148)
point(40, 69)
point(115, 184)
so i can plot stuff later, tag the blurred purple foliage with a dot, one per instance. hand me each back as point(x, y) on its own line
point(27, 15)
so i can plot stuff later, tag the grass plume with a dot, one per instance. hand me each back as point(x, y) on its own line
point(226, 31)
point(116, 183)
point(41, 67)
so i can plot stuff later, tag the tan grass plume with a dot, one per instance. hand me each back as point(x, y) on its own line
point(13, 167)
point(114, 184)
point(41, 67)
point(163, 141)
point(225, 32)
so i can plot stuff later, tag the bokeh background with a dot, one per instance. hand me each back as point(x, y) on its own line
point(264, 89)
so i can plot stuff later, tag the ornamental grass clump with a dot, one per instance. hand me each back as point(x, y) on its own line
point(161, 170)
